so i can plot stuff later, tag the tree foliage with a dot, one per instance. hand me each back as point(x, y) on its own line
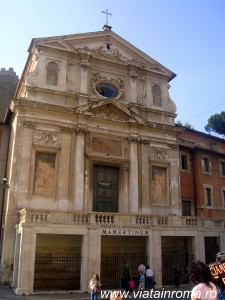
point(216, 123)
point(187, 125)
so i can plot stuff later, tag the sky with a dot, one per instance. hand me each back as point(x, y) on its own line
point(186, 36)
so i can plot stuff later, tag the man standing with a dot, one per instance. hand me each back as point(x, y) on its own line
point(142, 268)
point(149, 278)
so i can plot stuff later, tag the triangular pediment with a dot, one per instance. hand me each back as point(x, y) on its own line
point(57, 44)
point(110, 109)
point(105, 45)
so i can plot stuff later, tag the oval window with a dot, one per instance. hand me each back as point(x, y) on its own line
point(107, 90)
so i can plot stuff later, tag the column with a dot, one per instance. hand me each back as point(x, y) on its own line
point(84, 264)
point(133, 176)
point(16, 257)
point(150, 250)
point(200, 246)
point(26, 261)
point(79, 169)
point(124, 205)
point(64, 169)
point(94, 253)
point(157, 253)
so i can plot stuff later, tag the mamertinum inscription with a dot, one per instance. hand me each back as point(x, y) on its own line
point(126, 231)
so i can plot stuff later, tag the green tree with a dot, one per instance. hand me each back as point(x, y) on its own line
point(216, 123)
point(185, 125)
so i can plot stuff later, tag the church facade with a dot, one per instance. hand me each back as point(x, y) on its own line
point(94, 169)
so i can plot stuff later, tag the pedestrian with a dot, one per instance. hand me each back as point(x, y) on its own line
point(95, 286)
point(127, 276)
point(205, 287)
point(141, 268)
point(141, 281)
point(176, 275)
point(149, 278)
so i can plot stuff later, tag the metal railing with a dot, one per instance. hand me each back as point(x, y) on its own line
point(57, 271)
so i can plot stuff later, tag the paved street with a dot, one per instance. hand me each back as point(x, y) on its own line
point(167, 293)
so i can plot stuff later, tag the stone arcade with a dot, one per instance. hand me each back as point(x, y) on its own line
point(94, 168)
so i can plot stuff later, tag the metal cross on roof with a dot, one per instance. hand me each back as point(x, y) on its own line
point(107, 14)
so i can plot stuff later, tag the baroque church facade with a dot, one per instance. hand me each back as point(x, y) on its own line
point(94, 168)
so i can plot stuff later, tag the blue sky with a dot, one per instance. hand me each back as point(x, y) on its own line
point(186, 36)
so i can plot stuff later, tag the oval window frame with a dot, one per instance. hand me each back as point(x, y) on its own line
point(118, 83)
point(109, 84)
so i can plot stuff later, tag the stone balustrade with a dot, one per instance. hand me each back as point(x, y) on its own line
point(118, 219)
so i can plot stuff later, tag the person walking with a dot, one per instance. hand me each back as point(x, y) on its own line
point(149, 278)
point(141, 281)
point(141, 268)
point(95, 286)
point(127, 277)
point(176, 275)
point(205, 287)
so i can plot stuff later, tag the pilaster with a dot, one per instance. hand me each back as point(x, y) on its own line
point(79, 169)
point(26, 262)
point(133, 176)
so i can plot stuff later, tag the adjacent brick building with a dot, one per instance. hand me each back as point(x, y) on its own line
point(202, 180)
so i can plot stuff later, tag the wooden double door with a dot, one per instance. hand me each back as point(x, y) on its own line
point(105, 188)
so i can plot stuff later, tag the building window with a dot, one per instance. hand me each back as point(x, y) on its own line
point(157, 97)
point(186, 208)
point(223, 197)
point(206, 165)
point(208, 195)
point(44, 175)
point(222, 167)
point(184, 162)
point(52, 74)
point(107, 90)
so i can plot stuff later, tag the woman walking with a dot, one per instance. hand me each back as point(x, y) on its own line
point(95, 286)
point(201, 276)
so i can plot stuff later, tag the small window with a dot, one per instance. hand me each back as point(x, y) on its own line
point(184, 162)
point(206, 165)
point(52, 74)
point(107, 90)
point(223, 197)
point(208, 200)
point(186, 208)
point(157, 97)
point(222, 168)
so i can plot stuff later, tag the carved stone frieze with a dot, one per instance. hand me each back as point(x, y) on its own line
point(46, 139)
point(81, 130)
point(70, 85)
point(159, 155)
point(67, 129)
point(133, 139)
point(84, 60)
point(84, 63)
point(32, 78)
point(133, 74)
point(173, 146)
point(113, 53)
point(144, 141)
point(29, 124)
point(172, 105)
point(142, 92)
